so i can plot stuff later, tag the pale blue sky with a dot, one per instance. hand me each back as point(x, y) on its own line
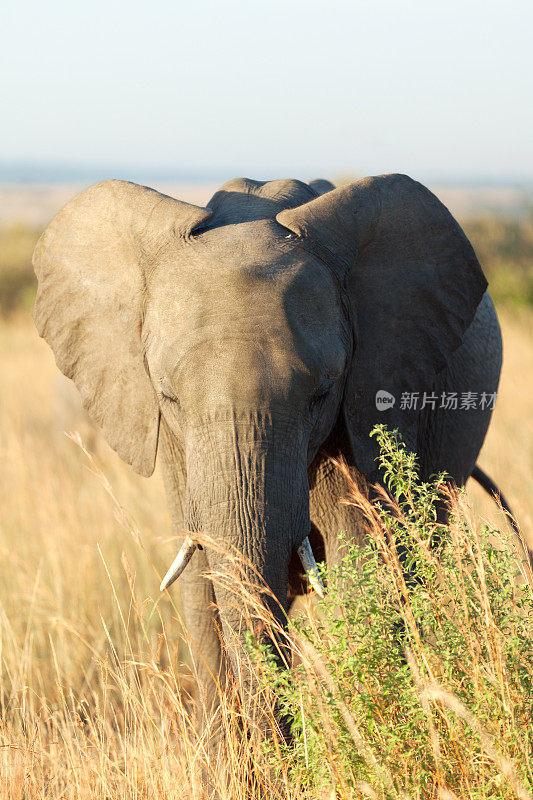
point(436, 89)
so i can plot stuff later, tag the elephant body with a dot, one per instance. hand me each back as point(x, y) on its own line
point(246, 343)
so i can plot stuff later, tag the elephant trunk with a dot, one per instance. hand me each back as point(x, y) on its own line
point(248, 494)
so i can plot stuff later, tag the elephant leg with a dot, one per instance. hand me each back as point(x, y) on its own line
point(331, 518)
point(331, 521)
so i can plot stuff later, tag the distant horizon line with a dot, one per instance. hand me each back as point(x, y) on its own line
point(50, 172)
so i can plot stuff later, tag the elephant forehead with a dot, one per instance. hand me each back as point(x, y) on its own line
point(252, 293)
point(256, 242)
point(242, 275)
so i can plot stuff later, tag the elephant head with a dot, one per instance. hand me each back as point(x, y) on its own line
point(253, 327)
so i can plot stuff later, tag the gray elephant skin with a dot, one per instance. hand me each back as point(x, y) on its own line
point(246, 342)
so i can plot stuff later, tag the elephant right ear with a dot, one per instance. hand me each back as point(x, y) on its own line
point(91, 263)
point(413, 283)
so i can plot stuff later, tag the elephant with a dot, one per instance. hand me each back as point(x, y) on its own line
point(250, 341)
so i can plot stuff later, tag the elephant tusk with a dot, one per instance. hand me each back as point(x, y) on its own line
point(180, 562)
point(308, 560)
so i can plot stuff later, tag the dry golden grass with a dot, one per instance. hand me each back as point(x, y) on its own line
point(93, 674)
point(67, 623)
point(507, 454)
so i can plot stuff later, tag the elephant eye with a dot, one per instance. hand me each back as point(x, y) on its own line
point(167, 395)
point(167, 398)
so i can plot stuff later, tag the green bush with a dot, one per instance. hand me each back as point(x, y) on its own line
point(418, 688)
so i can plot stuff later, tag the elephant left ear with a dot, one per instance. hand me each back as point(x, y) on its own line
point(413, 282)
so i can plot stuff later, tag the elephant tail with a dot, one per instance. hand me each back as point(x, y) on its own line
point(490, 487)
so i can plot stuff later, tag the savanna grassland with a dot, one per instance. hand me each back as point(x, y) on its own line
point(94, 683)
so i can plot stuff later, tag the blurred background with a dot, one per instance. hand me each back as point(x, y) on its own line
point(183, 96)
